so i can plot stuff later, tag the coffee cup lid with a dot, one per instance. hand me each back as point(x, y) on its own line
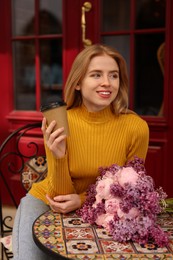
point(52, 105)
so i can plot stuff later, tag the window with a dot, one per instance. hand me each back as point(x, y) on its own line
point(37, 52)
point(137, 30)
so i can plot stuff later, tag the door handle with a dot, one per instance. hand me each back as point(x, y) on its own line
point(85, 8)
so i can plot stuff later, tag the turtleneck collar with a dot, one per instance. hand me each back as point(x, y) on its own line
point(95, 117)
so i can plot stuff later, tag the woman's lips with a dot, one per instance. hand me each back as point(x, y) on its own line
point(104, 94)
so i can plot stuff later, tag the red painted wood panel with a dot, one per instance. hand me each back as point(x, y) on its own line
point(159, 158)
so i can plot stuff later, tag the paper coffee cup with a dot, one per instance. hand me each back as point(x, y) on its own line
point(56, 111)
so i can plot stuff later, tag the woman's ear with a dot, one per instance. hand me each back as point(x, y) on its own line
point(77, 87)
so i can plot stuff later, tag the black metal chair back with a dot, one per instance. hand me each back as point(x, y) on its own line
point(12, 163)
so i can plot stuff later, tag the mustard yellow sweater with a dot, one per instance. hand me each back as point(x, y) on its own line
point(96, 139)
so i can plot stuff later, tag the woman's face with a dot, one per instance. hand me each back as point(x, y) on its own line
point(101, 83)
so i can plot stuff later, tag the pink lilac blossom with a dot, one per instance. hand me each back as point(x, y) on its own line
point(125, 202)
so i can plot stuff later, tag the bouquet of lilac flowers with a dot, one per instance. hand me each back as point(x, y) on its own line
point(124, 202)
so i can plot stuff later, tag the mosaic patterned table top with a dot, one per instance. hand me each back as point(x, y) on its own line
point(68, 236)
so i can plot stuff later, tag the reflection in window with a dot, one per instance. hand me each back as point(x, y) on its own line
point(49, 61)
point(121, 44)
point(149, 77)
point(115, 15)
point(24, 74)
point(150, 14)
point(149, 80)
point(50, 18)
point(50, 70)
point(22, 13)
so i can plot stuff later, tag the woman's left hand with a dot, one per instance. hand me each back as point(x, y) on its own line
point(64, 203)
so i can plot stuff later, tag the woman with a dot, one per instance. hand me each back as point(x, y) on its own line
point(102, 132)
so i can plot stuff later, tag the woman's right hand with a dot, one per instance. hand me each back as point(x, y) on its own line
point(55, 140)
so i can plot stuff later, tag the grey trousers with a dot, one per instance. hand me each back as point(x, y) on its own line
point(24, 247)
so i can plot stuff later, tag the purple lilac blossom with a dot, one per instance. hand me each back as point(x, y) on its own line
point(137, 209)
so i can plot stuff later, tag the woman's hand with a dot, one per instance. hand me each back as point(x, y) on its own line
point(55, 140)
point(64, 203)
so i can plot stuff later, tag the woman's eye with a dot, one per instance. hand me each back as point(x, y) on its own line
point(113, 76)
point(95, 75)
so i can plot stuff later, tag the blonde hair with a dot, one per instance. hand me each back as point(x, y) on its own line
point(79, 67)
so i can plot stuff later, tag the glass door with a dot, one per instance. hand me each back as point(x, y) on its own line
point(137, 29)
point(37, 36)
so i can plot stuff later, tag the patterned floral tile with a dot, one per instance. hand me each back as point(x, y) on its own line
point(164, 215)
point(171, 246)
point(44, 233)
point(79, 233)
point(165, 221)
point(48, 219)
point(69, 236)
point(102, 234)
point(150, 248)
point(113, 247)
point(55, 246)
point(74, 222)
point(169, 230)
point(82, 247)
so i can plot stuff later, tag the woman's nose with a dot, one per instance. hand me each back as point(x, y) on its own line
point(105, 81)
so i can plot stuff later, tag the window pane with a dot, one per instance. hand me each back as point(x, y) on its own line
point(24, 75)
point(148, 75)
point(121, 43)
point(115, 15)
point(26, 21)
point(50, 17)
point(51, 69)
point(150, 14)
point(22, 14)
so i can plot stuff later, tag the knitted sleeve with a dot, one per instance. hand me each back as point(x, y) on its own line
point(59, 179)
point(139, 139)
